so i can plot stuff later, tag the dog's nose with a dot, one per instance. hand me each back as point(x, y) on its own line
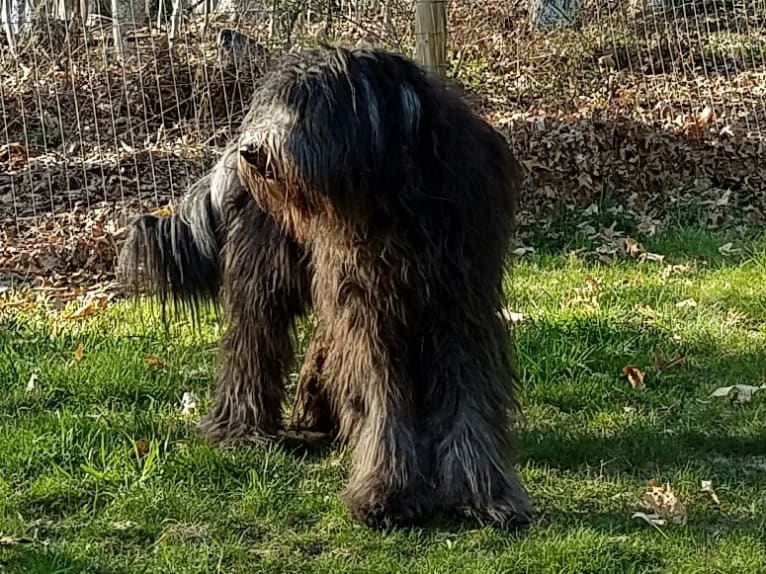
point(249, 153)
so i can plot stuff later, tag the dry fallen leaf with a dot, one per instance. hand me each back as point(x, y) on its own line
point(646, 313)
point(592, 209)
point(673, 269)
point(651, 257)
point(164, 211)
point(727, 249)
point(662, 363)
point(188, 403)
point(607, 62)
point(88, 309)
point(142, 447)
point(123, 525)
point(737, 393)
point(705, 116)
point(79, 352)
point(651, 519)
point(707, 486)
point(32, 383)
point(666, 503)
point(593, 283)
point(154, 361)
point(7, 541)
point(661, 505)
point(512, 316)
point(635, 377)
point(632, 247)
point(519, 251)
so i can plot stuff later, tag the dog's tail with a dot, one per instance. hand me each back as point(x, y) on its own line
point(177, 257)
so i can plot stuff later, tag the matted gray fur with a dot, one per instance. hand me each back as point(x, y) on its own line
point(368, 192)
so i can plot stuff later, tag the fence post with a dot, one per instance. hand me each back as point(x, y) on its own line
point(431, 34)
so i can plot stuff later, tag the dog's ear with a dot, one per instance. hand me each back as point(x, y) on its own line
point(258, 158)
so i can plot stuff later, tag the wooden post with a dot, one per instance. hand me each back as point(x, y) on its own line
point(431, 34)
point(11, 20)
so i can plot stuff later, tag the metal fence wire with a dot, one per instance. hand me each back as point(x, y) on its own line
point(110, 108)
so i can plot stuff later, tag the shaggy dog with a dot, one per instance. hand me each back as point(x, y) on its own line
point(365, 190)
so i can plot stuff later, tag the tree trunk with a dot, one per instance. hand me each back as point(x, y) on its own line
point(13, 15)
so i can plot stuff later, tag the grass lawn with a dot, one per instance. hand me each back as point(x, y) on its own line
point(102, 472)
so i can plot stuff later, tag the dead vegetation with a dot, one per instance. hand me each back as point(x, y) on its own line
point(644, 106)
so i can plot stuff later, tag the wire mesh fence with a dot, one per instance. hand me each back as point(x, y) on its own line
point(111, 108)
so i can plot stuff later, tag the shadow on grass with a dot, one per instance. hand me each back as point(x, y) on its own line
point(36, 559)
point(632, 450)
point(587, 353)
point(616, 523)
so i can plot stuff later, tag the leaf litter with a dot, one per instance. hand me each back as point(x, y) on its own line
point(32, 383)
point(707, 487)
point(154, 361)
point(9, 541)
point(737, 393)
point(188, 404)
point(643, 137)
point(659, 506)
point(91, 307)
point(635, 377)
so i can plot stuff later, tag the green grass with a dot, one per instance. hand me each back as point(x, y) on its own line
point(73, 482)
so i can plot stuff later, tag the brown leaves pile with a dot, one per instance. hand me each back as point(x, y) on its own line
point(576, 111)
point(13, 155)
point(63, 256)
